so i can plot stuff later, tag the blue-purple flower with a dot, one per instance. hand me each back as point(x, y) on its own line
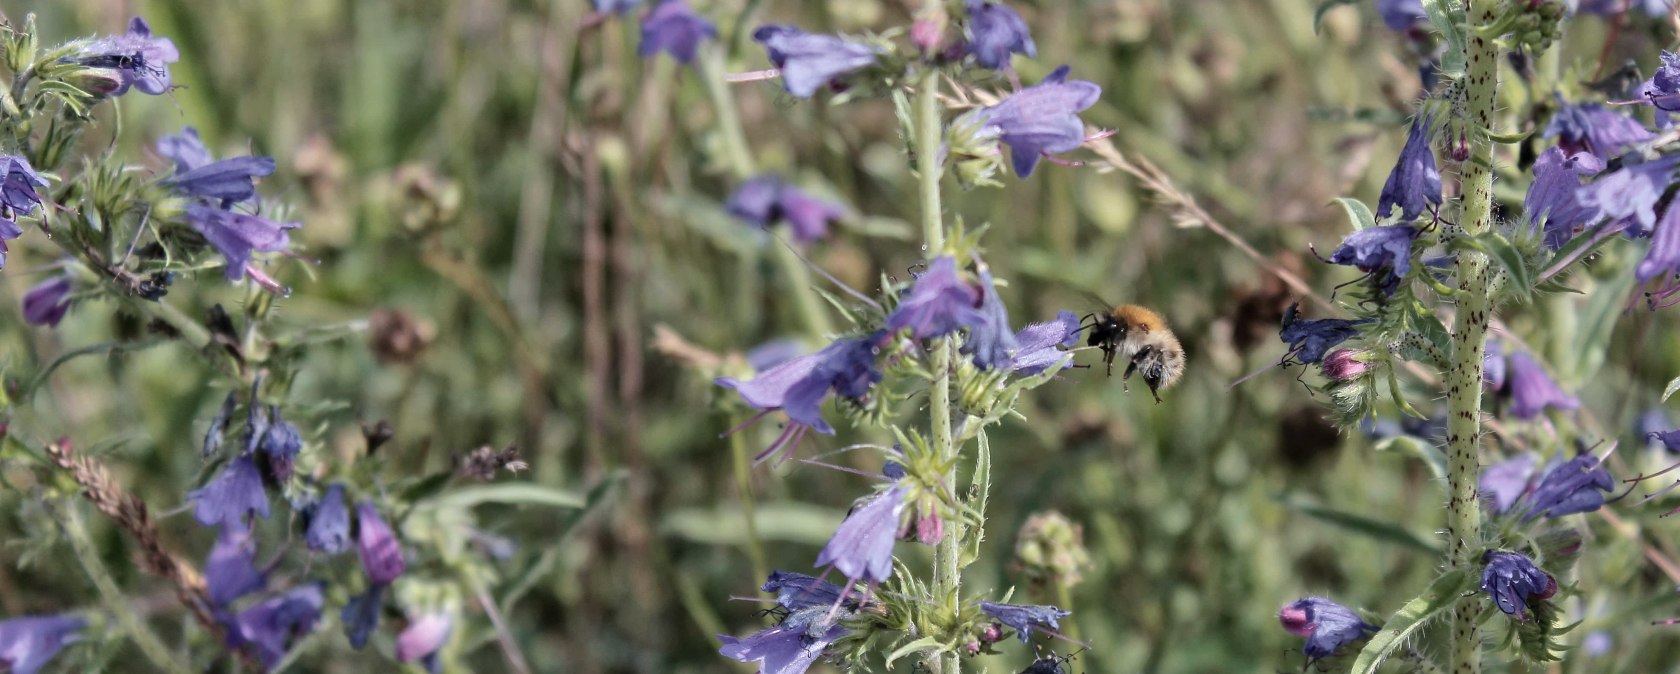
point(789, 648)
point(381, 553)
point(280, 443)
point(18, 197)
point(812, 60)
point(674, 28)
point(1532, 391)
point(1662, 259)
point(1663, 89)
point(799, 386)
point(994, 32)
point(1629, 195)
point(1609, 7)
point(329, 522)
point(862, 546)
point(1652, 425)
point(989, 341)
point(360, 615)
point(422, 639)
point(1503, 484)
point(795, 591)
point(238, 235)
point(764, 200)
point(1493, 366)
point(232, 496)
point(273, 625)
point(48, 301)
point(939, 303)
point(1414, 184)
point(1384, 252)
point(1309, 340)
point(1591, 128)
point(1514, 582)
point(224, 182)
point(1039, 120)
point(1326, 625)
point(775, 352)
point(1402, 15)
point(28, 643)
point(1023, 618)
point(140, 60)
point(1037, 344)
point(230, 573)
point(1552, 197)
point(615, 6)
point(1574, 486)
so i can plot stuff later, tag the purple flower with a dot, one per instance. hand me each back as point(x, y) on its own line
point(1402, 15)
point(1022, 618)
point(1609, 7)
point(1532, 390)
point(1037, 344)
point(1308, 340)
point(29, 643)
point(1630, 194)
point(361, 616)
point(229, 573)
point(774, 352)
point(226, 182)
point(1493, 366)
point(1415, 183)
point(1040, 120)
point(989, 341)
point(329, 523)
point(615, 6)
point(186, 149)
point(1651, 427)
point(1574, 486)
point(382, 557)
point(1662, 259)
point(1326, 625)
point(142, 61)
point(18, 197)
point(1343, 364)
point(789, 648)
point(1591, 128)
point(237, 235)
point(233, 496)
point(994, 32)
point(1384, 252)
point(812, 60)
point(766, 199)
point(272, 626)
point(48, 301)
point(862, 546)
point(1663, 89)
point(422, 639)
point(1552, 198)
point(795, 591)
point(1503, 483)
point(281, 444)
point(798, 387)
point(1513, 581)
point(675, 29)
point(939, 303)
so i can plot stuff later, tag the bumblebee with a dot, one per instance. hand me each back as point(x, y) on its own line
point(1140, 337)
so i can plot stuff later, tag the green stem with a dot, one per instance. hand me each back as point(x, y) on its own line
point(1464, 376)
point(148, 641)
point(1064, 601)
point(191, 331)
point(743, 486)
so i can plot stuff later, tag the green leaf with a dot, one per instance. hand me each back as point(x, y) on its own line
point(1440, 597)
point(1426, 451)
point(1673, 385)
point(978, 488)
point(599, 496)
point(1326, 6)
point(1501, 250)
point(785, 521)
point(1444, 15)
point(1377, 529)
point(917, 646)
point(1598, 321)
point(1358, 213)
point(1510, 138)
point(510, 493)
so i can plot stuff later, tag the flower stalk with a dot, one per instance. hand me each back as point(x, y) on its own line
point(149, 643)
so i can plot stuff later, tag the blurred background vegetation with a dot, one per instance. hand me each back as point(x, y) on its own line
point(543, 201)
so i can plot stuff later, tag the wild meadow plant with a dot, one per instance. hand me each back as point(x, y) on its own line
point(268, 573)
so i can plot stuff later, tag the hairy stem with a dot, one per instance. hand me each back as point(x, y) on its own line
point(1464, 375)
point(151, 646)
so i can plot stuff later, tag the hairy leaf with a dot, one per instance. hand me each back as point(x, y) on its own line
point(1435, 601)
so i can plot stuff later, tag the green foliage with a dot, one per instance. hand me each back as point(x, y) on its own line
point(1444, 593)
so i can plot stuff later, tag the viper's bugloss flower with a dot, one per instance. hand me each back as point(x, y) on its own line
point(273, 625)
point(1326, 625)
point(232, 496)
point(989, 342)
point(1574, 486)
point(862, 546)
point(1402, 15)
point(674, 28)
point(48, 301)
point(789, 648)
point(1670, 439)
point(994, 32)
point(422, 639)
point(27, 644)
point(186, 149)
point(1036, 345)
point(1610, 7)
point(1309, 340)
point(141, 61)
point(764, 200)
point(280, 444)
point(812, 60)
point(1384, 252)
point(1650, 426)
point(1039, 120)
point(381, 553)
point(939, 303)
point(774, 352)
point(360, 615)
point(1023, 618)
point(238, 235)
point(229, 572)
point(799, 386)
point(1532, 390)
point(1591, 128)
point(1663, 89)
point(615, 6)
point(1514, 581)
point(1502, 484)
point(1493, 366)
point(1343, 364)
point(329, 522)
point(1552, 200)
point(795, 591)
point(1662, 259)
point(225, 182)
point(1629, 195)
point(1415, 183)
point(18, 197)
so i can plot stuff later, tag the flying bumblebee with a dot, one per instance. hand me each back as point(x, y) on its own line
point(1139, 336)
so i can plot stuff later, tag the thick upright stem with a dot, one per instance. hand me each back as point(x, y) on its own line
point(150, 645)
point(1464, 375)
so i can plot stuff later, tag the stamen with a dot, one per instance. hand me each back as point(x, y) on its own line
point(753, 76)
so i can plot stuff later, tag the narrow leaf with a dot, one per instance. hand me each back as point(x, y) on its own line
point(978, 488)
point(1377, 529)
point(1358, 213)
point(1444, 15)
point(917, 646)
point(1502, 251)
point(1440, 597)
point(511, 493)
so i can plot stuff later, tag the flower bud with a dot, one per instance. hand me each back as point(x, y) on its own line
point(1050, 547)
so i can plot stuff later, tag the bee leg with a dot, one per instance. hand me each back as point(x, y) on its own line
point(1108, 359)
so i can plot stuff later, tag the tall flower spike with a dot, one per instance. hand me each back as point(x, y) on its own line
point(1023, 618)
point(27, 644)
point(1514, 581)
point(142, 61)
point(232, 496)
point(382, 557)
point(674, 28)
point(48, 301)
point(423, 638)
point(862, 546)
point(1551, 198)
point(272, 626)
point(1629, 195)
point(1384, 252)
point(1039, 120)
point(230, 573)
point(809, 61)
point(1415, 183)
point(994, 32)
point(1326, 625)
point(1574, 486)
point(1591, 128)
point(1532, 391)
